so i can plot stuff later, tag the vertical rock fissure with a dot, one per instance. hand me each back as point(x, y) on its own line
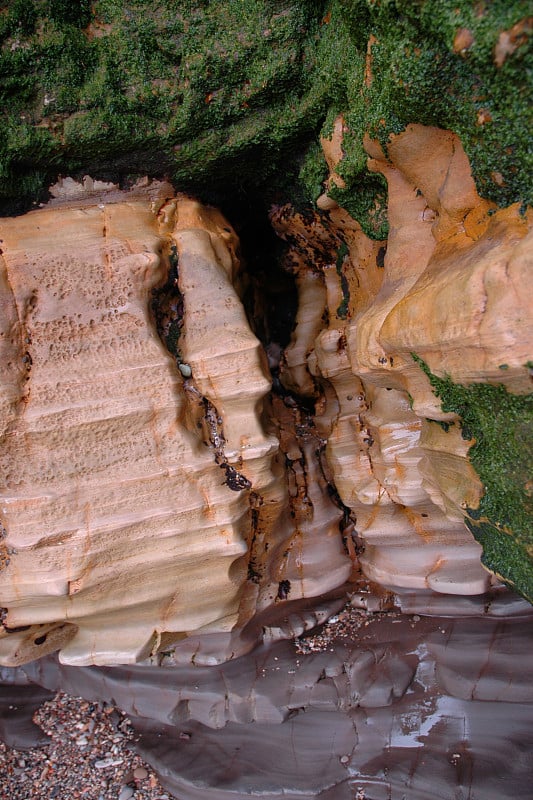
point(167, 308)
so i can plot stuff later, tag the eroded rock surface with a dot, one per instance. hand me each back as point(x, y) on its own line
point(169, 505)
point(408, 707)
point(158, 497)
point(136, 482)
point(446, 291)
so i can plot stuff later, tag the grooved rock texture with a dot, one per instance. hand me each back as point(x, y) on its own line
point(447, 290)
point(159, 501)
point(129, 490)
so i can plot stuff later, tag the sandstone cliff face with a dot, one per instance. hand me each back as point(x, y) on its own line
point(446, 291)
point(129, 489)
point(157, 498)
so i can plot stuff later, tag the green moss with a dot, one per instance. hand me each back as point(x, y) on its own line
point(230, 96)
point(501, 427)
point(217, 91)
point(313, 172)
point(342, 310)
point(417, 77)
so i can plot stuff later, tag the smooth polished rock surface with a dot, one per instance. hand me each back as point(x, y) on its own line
point(407, 707)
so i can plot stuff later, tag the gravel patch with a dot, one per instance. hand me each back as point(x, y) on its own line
point(350, 623)
point(89, 757)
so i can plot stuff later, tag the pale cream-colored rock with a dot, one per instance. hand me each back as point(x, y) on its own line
point(311, 306)
point(333, 152)
point(144, 505)
point(227, 360)
point(168, 503)
point(117, 515)
point(448, 285)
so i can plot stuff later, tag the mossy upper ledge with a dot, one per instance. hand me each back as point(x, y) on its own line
point(232, 95)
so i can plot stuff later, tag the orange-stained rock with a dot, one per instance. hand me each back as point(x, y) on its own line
point(448, 285)
point(168, 502)
point(132, 495)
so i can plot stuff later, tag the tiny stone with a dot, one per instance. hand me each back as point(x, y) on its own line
point(185, 370)
point(345, 759)
point(108, 762)
point(126, 793)
point(140, 773)
point(416, 618)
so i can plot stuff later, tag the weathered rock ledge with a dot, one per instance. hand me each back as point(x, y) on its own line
point(158, 499)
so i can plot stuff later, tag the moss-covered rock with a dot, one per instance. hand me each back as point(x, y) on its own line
point(500, 426)
point(436, 63)
point(230, 95)
point(198, 91)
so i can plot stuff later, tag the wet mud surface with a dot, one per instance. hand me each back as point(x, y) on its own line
point(407, 707)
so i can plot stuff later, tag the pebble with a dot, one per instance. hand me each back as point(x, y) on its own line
point(104, 763)
point(140, 773)
point(185, 370)
point(89, 757)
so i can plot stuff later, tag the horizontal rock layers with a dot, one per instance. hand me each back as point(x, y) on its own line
point(159, 501)
point(446, 288)
point(133, 492)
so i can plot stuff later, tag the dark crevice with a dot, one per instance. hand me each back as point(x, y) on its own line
point(271, 298)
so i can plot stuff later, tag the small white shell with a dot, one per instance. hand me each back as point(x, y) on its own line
point(185, 370)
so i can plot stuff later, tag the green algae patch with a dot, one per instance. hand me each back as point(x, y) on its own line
point(223, 93)
point(501, 427)
point(230, 96)
point(439, 64)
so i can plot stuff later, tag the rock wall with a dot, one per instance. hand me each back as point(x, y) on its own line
point(158, 498)
point(177, 494)
point(445, 292)
point(133, 490)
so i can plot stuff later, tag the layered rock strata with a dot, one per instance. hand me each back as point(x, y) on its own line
point(158, 498)
point(445, 288)
point(136, 481)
